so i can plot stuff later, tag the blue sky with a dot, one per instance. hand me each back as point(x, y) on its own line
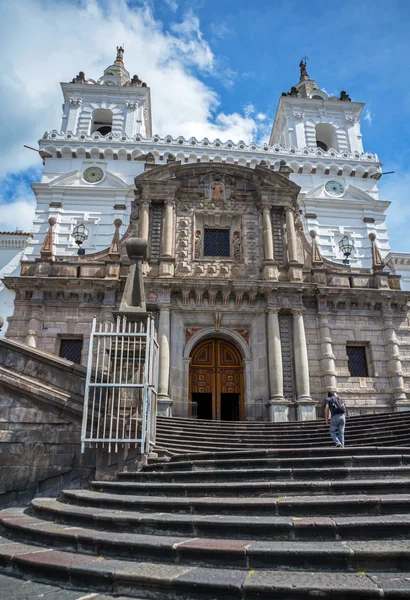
point(215, 67)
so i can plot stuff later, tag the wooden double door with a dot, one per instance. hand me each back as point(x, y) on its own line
point(216, 381)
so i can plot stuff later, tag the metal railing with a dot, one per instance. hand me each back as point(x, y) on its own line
point(120, 403)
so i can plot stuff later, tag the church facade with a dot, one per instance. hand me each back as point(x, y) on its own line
point(268, 267)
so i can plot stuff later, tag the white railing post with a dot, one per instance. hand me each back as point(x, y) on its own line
point(87, 385)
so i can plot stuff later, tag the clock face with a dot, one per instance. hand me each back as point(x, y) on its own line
point(93, 174)
point(334, 188)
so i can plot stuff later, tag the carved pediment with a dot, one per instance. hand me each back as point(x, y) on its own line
point(351, 193)
point(74, 179)
point(196, 177)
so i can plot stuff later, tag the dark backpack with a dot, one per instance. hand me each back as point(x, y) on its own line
point(336, 405)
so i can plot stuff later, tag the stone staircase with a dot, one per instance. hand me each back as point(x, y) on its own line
point(178, 435)
point(288, 524)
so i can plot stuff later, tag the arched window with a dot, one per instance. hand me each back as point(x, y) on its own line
point(326, 136)
point(102, 121)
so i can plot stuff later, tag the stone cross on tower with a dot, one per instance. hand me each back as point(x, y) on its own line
point(303, 72)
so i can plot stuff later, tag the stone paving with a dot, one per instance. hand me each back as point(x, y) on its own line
point(13, 588)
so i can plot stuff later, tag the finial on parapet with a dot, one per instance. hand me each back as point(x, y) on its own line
point(317, 258)
point(284, 169)
point(80, 78)
point(47, 248)
point(344, 97)
point(114, 250)
point(120, 55)
point(377, 261)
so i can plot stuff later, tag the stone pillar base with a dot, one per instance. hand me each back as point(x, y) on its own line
point(295, 271)
point(164, 406)
point(278, 410)
point(401, 405)
point(270, 271)
point(382, 281)
point(166, 269)
point(305, 409)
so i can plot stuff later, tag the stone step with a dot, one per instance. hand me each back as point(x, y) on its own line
point(257, 488)
point(226, 526)
point(16, 588)
point(293, 453)
point(282, 432)
point(211, 552)
point(331, 460)
point(185, 582)
point(181, 447)
point(268, 474)
point(361, 504)
point(362, 420)
point(260, 437)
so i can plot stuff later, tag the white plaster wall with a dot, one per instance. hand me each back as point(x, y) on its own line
point(9, 265)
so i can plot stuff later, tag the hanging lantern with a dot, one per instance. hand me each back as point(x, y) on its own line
point(80, 234)
point(346, 248)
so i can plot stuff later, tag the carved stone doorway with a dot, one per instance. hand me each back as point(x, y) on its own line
point(216, 381)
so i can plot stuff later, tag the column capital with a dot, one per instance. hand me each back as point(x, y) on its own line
point(272, 310)
point(163, 307)
point(299, 311)
point(323, 315)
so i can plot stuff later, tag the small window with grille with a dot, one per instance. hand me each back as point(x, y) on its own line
point(216, 242)
point(357, 361)
point(71, 349)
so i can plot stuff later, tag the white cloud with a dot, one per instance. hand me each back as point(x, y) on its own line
point(248, 110)
point(17, 203)
point(368, 116)
point(221, 30)
point(18, 214)
point(49, 42)
point(172, 5)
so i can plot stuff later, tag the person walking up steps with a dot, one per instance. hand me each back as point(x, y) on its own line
point(337, 409)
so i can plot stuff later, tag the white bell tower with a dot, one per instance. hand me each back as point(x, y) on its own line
point(114, 104)
point(308, 118)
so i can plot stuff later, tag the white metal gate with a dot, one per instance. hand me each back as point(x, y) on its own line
point(120, 404)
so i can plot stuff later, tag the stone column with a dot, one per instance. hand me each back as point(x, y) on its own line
point(34, 326)
point(164, 329)
point(278, 406)
point(306, 409)
point(294, 266)
point(327, 358)
point(143, 222)
point(168, 239)
point(291, 236)
point(270, 270)
point(394, 364)
point(167, 266)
